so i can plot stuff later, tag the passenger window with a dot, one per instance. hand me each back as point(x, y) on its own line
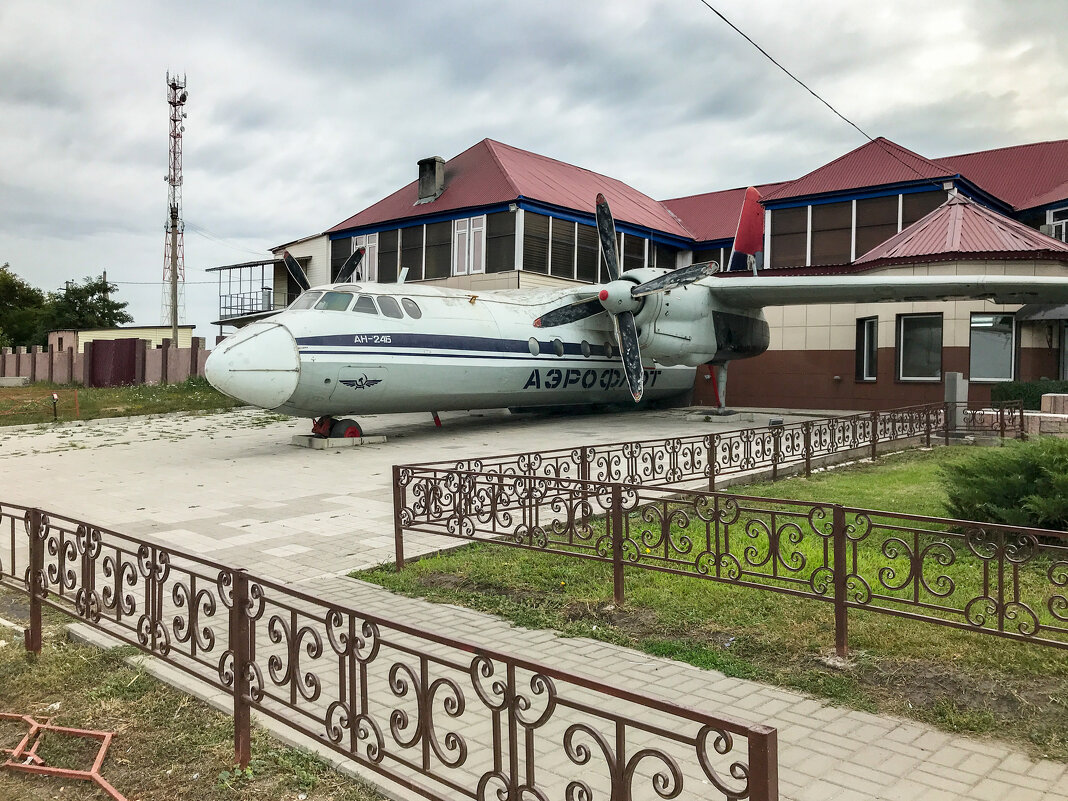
point(334, 301)
point(306, 301)
point(365, 304)
point(412, 308)
point(390, 307)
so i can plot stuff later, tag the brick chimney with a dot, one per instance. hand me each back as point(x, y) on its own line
point(431, 178)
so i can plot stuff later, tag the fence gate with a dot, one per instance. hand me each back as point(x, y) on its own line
point(114, 362)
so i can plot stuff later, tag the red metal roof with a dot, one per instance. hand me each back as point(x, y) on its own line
point(1024, 176)
point(876, 163)
point(491, 172)
point(713, 215)
point(961, 228)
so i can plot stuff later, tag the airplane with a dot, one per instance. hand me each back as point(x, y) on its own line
point(358, 347)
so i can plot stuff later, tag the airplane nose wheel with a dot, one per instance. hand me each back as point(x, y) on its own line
point(327, 426)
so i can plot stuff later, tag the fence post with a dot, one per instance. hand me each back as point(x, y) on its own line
point(398, 506)
point(240, 643)
point(711, 446)
point(807, 428)
point(764, 765)
point(36, 582)
point(927, 426)
point(1001, 420)
point(874, 433)
point(841, 622)
point(584, 464)
point(776, 451)
point(947, 410)
point(617, 544)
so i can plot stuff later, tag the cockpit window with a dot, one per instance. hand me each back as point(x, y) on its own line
point(365, 304)
point(305, 301)
point(412, 308)
point(334, 301)
point(390, 307)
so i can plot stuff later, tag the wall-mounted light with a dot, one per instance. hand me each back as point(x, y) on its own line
point(512, 207)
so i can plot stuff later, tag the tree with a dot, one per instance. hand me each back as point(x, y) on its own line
point(23, 309)
point(87, 305)
point(27, 314)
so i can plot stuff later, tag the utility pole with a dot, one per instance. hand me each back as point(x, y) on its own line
point(174, 241)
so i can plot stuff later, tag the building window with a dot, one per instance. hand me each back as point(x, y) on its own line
point(1058, 219)
point(867, 348)
point(562, 251)
point(587, 253)
point(993, 347)
point(469, 245)
point(368, 269)
point(919, 347)
point(388, 256)
point(832, 225)
point(500, 241)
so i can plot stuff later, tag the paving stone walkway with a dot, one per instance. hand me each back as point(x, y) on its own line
point(231, 488)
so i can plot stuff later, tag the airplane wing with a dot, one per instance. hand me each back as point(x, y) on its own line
point(750, 292)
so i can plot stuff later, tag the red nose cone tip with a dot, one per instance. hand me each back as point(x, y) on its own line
point(603, 294)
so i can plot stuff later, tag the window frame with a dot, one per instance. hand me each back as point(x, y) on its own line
point(473, 232)
point(867, 362)
point(1014, 344)
point(368, 268)
point(900, 348)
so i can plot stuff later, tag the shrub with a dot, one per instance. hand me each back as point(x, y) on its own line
point(1021, 484)
point(1030, 392)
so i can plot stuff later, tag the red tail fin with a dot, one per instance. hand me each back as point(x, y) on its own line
point(749, 237)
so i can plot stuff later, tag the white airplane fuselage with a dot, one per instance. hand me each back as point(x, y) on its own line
point(419, 348)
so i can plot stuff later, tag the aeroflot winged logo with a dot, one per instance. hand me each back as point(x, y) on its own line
point(360, 383)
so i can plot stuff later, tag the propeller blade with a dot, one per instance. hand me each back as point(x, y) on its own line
point(627, 337)
point(579, 310)
point(296, 272)
point(350, 265)
point(606, 230)
point(676, 278)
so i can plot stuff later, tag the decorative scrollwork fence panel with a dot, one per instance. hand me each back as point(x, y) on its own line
point(442, 716)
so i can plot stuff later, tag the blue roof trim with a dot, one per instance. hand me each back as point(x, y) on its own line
point(413, 222)
point(559, 212)
point(907, 188)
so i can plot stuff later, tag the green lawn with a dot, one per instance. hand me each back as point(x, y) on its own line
point(957, 680)
point(33, 404)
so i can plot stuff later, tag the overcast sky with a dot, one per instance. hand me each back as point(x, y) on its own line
point(301, 116)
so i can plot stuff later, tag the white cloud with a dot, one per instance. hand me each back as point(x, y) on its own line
point(299, 117)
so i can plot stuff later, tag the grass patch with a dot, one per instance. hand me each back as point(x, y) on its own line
point(956, 680)
point(168, 745)
point(33, 404)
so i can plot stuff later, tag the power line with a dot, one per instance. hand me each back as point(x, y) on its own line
point(768, 56)
point(206, 234)
point(812, 92)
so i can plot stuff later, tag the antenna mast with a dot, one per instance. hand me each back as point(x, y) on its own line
point(173, 306)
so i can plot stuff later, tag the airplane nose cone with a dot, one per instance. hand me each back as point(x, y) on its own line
point(258, 365)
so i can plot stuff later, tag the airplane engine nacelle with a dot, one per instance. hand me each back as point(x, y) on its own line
point(673, 327)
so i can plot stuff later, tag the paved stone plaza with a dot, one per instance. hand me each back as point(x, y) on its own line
point(231, 487)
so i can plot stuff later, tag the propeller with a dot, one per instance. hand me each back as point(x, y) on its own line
point(296, 272)
point(621, 299)
point(350, 265)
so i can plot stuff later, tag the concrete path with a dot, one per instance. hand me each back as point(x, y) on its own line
point(231, 488)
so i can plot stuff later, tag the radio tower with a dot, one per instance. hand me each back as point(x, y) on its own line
point(174, 242)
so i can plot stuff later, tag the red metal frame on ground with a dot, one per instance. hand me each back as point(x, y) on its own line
point(24, 758)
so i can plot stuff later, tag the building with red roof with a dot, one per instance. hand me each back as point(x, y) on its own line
point(499, 217)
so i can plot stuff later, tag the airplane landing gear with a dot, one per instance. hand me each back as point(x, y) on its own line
point(327, 426)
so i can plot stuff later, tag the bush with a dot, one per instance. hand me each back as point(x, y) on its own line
point(1030, 392)
point(1021, 484)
